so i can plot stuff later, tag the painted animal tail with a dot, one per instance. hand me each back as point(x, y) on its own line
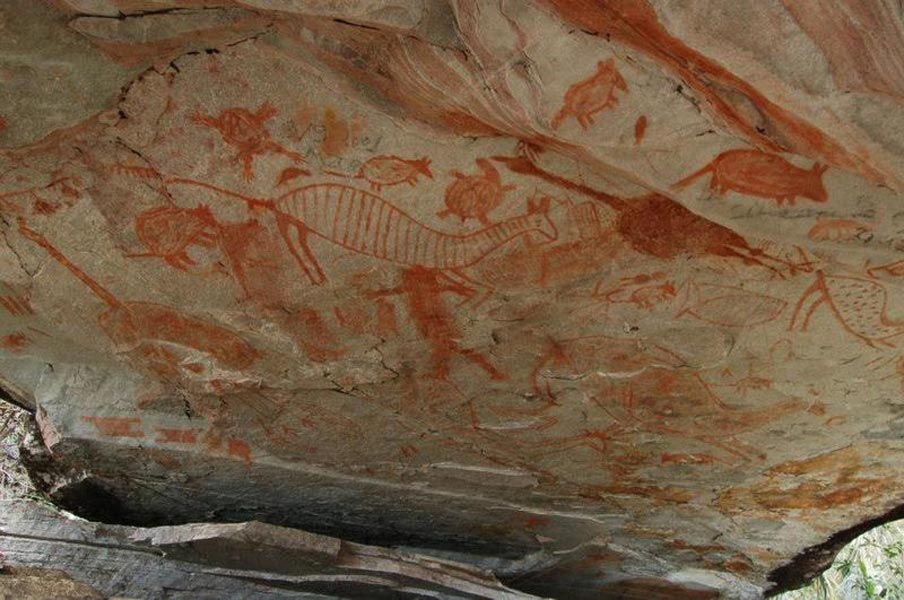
point(43, 242)
point(690, 178)
point(560, 117)
point(422, 165)
point(690, 298)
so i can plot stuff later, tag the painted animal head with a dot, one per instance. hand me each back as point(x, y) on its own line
point(607, 69)
point(538, 217)
point(168, 231)
point(815, 188)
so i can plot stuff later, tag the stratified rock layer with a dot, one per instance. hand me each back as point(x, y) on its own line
point(596, 295)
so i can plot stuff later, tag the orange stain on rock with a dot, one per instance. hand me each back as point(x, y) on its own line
point(409, 451)
point(239, 449)
point(668, 458)
point(818, 408)
point(14, 342)
point(117, 426)
point(465, 124)
point(336, 133)
point(302, 120)
point(640, 128)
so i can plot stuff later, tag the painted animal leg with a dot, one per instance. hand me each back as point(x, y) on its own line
point(299, 248)
point(277, 149)
point(247, 161)
point(478, 359)
point(817, 287)
point(740, 452)
point(472, 291)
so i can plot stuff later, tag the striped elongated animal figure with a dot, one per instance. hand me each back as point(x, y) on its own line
point(367, 224)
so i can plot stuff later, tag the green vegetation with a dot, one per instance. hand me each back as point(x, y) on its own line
point(870, 567)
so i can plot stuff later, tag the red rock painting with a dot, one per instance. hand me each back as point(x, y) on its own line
point(290, 174)
point(167, 232)
point(46, 199)
point(14, 342)
point(643, 291)
point(729, 306)
point(152, 334)
point(389, 170)
point(658, 226)
point(425, 329)
point(756, 173)
point(839, 230)
point(367, 224)
point(837, 478)
point(636, 24)
point(633, 389)
point(177, 435)
point(473, 196)
point(640, 129)
point(591, 95)
point(654, 397)
point(128, 427)
point(16, 306)
point(259, 263)
point(859, 306)
point(336, 134)
point(246, 132)
point(423, 291)
point(893, 269)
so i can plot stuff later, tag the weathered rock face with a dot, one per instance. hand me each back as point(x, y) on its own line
point(597, 295)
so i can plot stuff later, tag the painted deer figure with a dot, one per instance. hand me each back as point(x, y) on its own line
point(367, 224)
point(859, 306)
point(761, 174)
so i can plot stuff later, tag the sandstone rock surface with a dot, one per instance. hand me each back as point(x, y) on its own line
point(594, 296)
